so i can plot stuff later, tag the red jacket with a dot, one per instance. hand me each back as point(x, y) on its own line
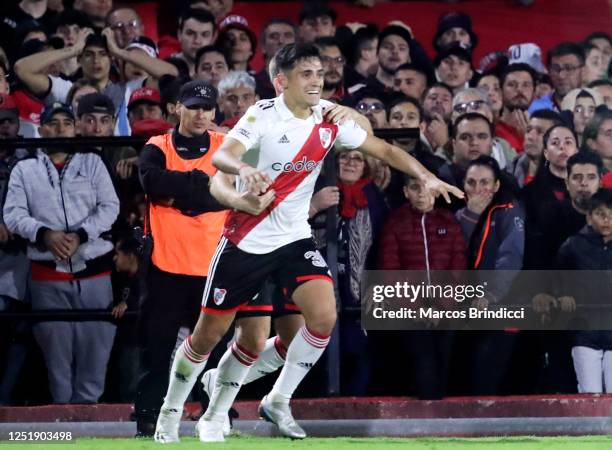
point(402, 244)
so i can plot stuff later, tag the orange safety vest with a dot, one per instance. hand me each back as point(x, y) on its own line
point(183, 244)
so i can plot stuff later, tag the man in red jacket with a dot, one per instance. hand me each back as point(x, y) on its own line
point(418, 236)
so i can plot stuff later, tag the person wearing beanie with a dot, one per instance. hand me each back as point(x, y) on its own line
point(454, 66)
point(455, 27)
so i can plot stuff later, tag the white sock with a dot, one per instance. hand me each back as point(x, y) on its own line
point(270, 359)
point(304, 351)
point(233, 368)
point(186, 367)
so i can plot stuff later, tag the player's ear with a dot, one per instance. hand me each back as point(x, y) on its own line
point(282, 79)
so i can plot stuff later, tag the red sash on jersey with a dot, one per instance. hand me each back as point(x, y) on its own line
point(239, 224)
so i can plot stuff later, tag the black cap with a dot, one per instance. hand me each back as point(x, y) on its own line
point(95, 103)
point(453, 49)
point(454, 20)
point(198, 93)
point(54, 108)
point(396, 30)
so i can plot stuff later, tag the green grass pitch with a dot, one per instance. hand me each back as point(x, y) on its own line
point(339, 443)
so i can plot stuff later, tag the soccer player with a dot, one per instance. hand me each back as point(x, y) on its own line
point(292, 140)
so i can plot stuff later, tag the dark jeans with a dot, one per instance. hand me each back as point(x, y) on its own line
point(171, 301)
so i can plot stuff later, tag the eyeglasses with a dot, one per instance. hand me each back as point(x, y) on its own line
point(557, 69)
point(339, 60)
point(346, 158)
point(122, 25)
point(373, 107)
point(474, 105)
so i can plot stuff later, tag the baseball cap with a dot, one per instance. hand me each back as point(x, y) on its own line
point(527, 53)
point(8, 108)
point(95, 103)
point(396, 30)
point(198, 93)
point(239, 23)
point(53, 109)
point(145, 44)
point(144, 95)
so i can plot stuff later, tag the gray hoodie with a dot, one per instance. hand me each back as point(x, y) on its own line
point(80, 197)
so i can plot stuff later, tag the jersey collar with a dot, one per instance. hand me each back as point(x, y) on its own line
point(286, 114)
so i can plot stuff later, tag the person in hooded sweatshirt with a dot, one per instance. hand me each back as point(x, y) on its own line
point(591, 250)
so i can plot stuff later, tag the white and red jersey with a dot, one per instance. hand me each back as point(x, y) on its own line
point(291, 152)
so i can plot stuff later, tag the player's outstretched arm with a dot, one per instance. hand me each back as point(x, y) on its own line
point(404, 162)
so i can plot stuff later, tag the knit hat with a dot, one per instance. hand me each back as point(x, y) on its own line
point(454, 20)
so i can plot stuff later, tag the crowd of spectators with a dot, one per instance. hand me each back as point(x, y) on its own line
point(528, 140)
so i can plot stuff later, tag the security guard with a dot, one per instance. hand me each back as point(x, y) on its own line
point(185, 224)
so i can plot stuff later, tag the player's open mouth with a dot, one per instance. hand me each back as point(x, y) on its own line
point(313, 92)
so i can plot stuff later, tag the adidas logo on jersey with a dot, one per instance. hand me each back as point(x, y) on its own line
point(284, 139)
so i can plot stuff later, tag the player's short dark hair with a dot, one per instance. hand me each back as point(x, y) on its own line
point(405, 99)
point(471, 116)
point(585, 157)
point(288, 56)
point(565, 48)
point(602, 197)
point(201, 15)
point(518, 67)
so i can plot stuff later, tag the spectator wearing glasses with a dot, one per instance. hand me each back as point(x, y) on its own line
point(518, 89)
point(126, 24)
point(475, 100)
point(372, 106)
point(565, 62)
point(333, 62)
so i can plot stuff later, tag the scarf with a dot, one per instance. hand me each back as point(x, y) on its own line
point(352, 197)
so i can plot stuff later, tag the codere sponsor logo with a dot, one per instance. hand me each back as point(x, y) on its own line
point(303, 165)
